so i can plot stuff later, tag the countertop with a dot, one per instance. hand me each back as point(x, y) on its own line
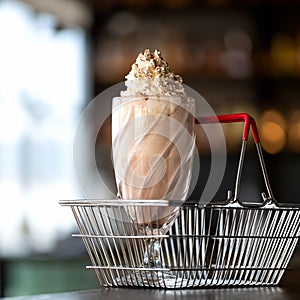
point(260, 293)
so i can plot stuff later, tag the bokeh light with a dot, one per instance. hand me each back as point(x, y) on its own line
point(294, 131)
point(284, 54)
point(236, 59)
point(273, 131)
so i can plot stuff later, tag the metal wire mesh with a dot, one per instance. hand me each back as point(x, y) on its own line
point(228, 245)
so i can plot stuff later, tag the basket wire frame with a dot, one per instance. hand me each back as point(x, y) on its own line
point(225, 244)
point(206, 246)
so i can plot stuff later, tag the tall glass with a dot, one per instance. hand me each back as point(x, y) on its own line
point(153, 143)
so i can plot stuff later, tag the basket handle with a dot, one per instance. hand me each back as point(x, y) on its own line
point(249, 122)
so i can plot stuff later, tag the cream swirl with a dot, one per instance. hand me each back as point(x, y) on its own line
point(150, 75)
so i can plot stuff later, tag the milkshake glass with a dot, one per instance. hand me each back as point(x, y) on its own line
point(153, 143)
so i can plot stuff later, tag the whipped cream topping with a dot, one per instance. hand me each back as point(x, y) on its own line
point(150, 75)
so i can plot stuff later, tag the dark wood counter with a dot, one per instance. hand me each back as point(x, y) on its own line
point(261, 293)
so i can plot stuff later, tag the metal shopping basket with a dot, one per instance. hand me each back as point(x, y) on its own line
point(226, 244)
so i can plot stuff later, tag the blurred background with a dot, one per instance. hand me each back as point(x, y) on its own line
point(57, 55)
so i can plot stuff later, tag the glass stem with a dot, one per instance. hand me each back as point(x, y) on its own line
point(152, 257)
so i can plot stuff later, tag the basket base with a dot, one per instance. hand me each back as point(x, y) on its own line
point(165, 279)
point(157, 279)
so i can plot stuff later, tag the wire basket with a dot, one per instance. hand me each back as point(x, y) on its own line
point(228, 244)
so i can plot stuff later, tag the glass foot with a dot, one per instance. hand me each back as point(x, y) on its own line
point(151, 278)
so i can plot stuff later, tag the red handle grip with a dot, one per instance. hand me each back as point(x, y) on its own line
point(231, 118)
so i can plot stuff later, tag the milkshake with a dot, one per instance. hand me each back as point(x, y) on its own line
point(153, 136)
